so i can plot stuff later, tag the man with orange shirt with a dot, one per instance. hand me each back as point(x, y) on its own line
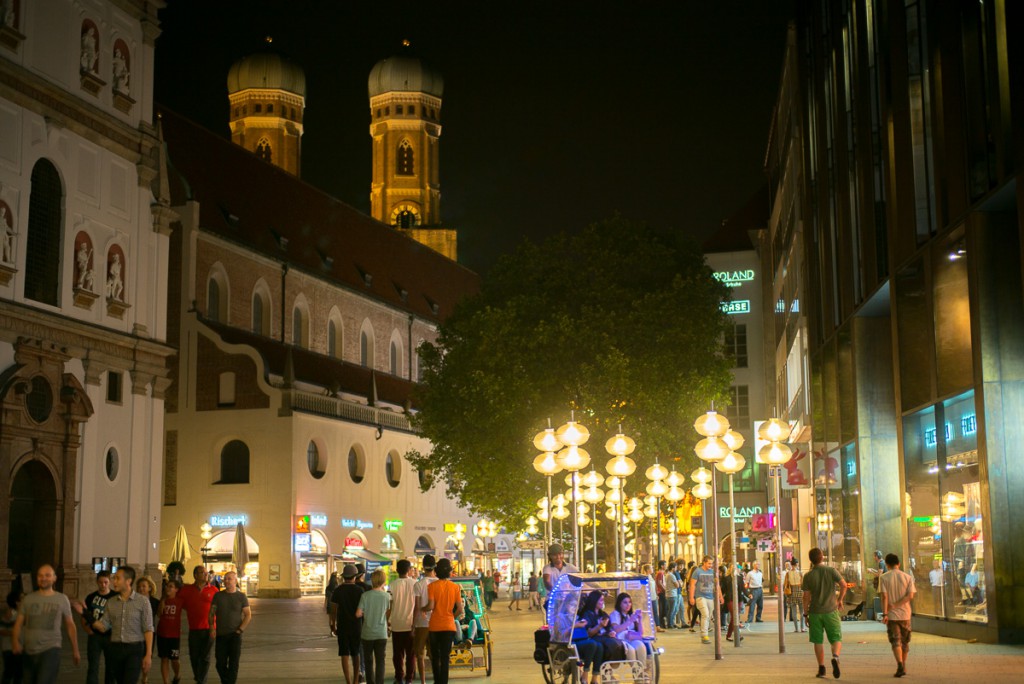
point(444, 603)
point(195, 600)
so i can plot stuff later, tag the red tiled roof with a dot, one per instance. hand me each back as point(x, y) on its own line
point(269, 211)
point(318, 369)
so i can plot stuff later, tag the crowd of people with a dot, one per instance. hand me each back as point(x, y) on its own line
point(126, 626)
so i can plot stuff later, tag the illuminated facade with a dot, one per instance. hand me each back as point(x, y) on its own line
point(405, 113)
point(84, 236)
point(910, 136)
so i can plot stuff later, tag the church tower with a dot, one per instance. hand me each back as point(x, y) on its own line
point(268, 98)
point(405, 124)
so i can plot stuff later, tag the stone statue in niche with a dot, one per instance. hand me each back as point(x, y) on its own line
point(88, 58)
point(7, 253)
point(7, 13)
point(121, 73)
point(83, 263)
point(115, 286)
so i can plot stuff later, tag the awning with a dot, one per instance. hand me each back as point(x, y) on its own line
point(365, 555)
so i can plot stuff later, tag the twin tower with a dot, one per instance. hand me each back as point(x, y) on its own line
point(268, 95)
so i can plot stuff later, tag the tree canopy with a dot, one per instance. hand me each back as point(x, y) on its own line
point(619, 323)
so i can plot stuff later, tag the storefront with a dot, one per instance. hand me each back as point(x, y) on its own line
point(220, 559)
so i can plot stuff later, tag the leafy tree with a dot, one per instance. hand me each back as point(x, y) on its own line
point(617, 322)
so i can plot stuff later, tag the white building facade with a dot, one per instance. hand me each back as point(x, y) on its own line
point(83, 289)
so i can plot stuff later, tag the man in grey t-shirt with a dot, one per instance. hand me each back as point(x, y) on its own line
point(38, 628)
point(897, 590)
point(230, 611)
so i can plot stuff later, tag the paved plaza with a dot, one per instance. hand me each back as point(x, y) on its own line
point(288, 641)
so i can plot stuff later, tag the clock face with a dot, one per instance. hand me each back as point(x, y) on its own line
point(405, 216)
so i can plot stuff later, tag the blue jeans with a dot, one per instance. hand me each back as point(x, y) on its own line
point(675, 605)
point(42, 668)
point(756, 598)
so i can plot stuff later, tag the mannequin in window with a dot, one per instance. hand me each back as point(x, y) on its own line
point(120, 72)
point(8, 245)
point(115, 287)
point(88, 58)
point(83, 261)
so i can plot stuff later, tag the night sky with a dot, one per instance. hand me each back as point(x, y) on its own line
point(555, 114)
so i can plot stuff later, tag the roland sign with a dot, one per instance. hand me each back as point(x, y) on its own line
point(734, 278)
point(742, 512)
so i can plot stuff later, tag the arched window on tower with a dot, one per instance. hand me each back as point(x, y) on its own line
point(263, 149)
point(405, 159)
point(406, 219)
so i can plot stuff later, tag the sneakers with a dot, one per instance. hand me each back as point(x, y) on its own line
point(821, 672)
point(835, 667)
point(705, 640)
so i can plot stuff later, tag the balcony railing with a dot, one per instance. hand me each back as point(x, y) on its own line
point(333, 407)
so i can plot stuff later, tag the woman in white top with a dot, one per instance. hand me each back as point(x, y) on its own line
point(627, 625)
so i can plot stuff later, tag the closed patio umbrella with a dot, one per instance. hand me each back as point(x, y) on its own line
point(179, 549)
point(240, 549)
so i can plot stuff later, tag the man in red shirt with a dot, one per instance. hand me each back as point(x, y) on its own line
point(196, 599)
point(659, 587)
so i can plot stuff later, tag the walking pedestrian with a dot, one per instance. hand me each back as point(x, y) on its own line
point(195, 600)
point(96, 642)
point(345, 624)
point(488, 588)
point(12, 662)
point(421, 618)
point(729, 602)
point(515, 591)
point(444, 602)
point(230, 611)
point(703, 591)
point(531, 587)
point(659, 589)
point(693, 615)
point(794, 593)
point(897, 590)
point(129, 619)
point(331, 586)
point(36, 631)
point(375, 611)
point(147, 587)
point(673, 596)
point(821, 608)
point(754, 582)
point(168, 631)
point(403, 606)
point(646, 570)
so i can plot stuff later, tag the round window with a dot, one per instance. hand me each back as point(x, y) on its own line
point(356, 465)
point(39, 400)
point(112, 464)
point(316, 463)
point(393, 469)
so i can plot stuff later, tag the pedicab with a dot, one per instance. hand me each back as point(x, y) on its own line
point(555, 649)
point(475, 629)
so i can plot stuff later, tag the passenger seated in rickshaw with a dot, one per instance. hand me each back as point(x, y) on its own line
point(591, 653)
point(598, 626)
point(627, 626)
point(469, 626)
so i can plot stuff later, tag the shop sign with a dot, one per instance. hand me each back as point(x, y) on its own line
point(318, 519)
point(741, 513)
point(502, 545)
point(229, 520)
point(357, 524)
point(762, 522)
point(303, 542)
point(392, 525)
point(426, 528)
point(734, 278)
point(450, 527)
point(739, 306)
point(301, 525)
point(353, 543)
point(531, 544)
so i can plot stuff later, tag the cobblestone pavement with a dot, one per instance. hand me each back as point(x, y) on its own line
point(288, 641)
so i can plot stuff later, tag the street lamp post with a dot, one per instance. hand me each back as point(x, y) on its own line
point(712, 427)
point(593, 496)
point(547, 464)
point(732, 464)
point(621, 466)
point(614, 500)
point(206, 532)
point(657, 488)
point(573, 458)
point(776, 454)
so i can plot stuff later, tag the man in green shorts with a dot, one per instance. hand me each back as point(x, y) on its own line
point(820, 607)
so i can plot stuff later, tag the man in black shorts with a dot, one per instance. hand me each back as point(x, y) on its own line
point(897, 590)
point(345, 624)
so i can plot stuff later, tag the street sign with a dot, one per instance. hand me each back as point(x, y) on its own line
point(531, 544)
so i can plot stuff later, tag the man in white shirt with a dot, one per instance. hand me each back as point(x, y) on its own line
point(897, 590)
point(754, 581)
point(421, 620)
point(403, 603)
point(556, 566)
point(938, 580)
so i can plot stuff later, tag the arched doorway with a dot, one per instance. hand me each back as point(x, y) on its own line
point(32, 535)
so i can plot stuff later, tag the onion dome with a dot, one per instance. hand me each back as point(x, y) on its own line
point(266, 70)
point(404, 73)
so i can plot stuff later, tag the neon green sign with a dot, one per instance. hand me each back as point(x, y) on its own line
point(392, 525)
